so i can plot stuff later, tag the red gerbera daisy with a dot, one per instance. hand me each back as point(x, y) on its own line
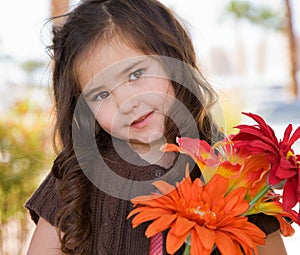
point(285, 165)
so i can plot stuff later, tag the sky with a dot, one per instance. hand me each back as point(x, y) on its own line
point(21, 23)
point(24, 35)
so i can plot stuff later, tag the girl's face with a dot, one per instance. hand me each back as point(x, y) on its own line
point(127, 91)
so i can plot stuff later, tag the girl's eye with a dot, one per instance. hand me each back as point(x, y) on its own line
point(102, 95)
point(136, 75)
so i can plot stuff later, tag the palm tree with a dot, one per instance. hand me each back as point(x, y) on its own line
point(289, 29)
point(269, 19)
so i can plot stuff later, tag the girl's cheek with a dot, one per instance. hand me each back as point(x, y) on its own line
point(106, 115)
point(104, 123)
point(101, 109)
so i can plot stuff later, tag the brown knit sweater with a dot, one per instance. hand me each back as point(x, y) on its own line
point(112, 233)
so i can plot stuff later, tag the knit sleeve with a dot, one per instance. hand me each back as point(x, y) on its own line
point(45, 202)
point(266, 223)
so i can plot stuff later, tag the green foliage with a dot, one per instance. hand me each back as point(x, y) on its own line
point(238, 9)
point(32, 65)
point(24, 154)
point(259, 15)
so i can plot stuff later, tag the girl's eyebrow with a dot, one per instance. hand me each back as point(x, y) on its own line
point(127, 69)
point(91, 91)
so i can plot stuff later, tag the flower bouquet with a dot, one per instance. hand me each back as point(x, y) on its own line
point(238, 176)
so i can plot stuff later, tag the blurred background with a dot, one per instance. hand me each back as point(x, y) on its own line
point(246, 49)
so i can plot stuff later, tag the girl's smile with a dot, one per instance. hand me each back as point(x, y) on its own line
point(142, 121)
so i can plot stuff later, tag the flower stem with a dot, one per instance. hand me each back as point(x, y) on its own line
point(187, 249)
point(258, 196)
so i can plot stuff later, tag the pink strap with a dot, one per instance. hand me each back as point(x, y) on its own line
point(156, 244)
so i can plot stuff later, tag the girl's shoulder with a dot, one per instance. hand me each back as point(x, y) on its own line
point(45, 202)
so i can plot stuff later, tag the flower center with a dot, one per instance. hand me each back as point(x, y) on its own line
point(204, 214)
point(289, 154)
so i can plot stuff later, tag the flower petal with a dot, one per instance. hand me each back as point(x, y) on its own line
point(285, 228)
point(182, 226)
point(206, 237)
point(289, 198)
point(174, 242)
point(225, 244)
point(161, 224)
point(147, 215)
point(217, 186)
point(197, 245)
point(163, 186)
point(295, 136)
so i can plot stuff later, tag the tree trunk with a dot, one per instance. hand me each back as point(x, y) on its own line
point(58, 8)
point(293, 86)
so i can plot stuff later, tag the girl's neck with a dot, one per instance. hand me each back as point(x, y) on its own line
point(152, 154)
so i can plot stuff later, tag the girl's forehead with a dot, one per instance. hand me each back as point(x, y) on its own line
point(111, 50)
point(111, 54)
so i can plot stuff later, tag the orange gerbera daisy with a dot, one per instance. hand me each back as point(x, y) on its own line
point(241, 170)
point(205, 214)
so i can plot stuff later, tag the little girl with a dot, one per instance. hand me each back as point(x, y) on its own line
point(125, 82)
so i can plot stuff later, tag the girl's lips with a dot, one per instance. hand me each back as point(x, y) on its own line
point(142, 121)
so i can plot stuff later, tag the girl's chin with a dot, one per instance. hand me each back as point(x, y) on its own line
point(149, 140)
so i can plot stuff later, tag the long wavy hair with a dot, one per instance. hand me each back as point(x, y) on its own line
point(145, 25)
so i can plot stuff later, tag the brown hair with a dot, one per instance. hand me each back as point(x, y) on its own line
point(151, 28)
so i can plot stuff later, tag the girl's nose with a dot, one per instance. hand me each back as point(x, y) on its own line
point(126, 98)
